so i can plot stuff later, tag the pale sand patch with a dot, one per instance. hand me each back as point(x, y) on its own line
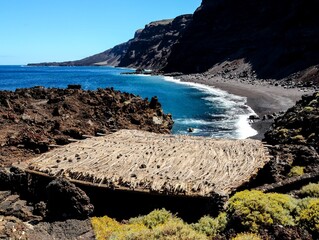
point(149, 162)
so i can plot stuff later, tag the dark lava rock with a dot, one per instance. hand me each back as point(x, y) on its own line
point(154, 104)
point(228, 30)
point(152, 45)
point(52, 116)
point(66, 201)
point(295, 136)
point(288, 233)
point(299, 125)
point(68, 229)
point(12, 205)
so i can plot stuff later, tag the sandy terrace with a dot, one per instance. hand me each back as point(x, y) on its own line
point(148, 162)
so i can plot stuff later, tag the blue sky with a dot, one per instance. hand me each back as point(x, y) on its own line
point(59, 30)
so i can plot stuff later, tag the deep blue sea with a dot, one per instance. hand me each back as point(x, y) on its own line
point(211, 112)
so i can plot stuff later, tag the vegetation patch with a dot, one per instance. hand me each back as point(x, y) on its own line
point(211, 226)
point(296, 171)
point(311, 190)
point(247, 236)
point(309, 216)
point(159, 224)
point(252, 209)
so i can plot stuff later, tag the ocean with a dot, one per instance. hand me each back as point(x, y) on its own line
point(210, 112)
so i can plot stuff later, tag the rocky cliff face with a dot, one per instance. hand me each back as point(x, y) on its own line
point(277, 38)
point(295, 141)
point(152, 46)
point(149, 48)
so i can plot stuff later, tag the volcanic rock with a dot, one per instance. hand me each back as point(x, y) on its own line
point(228, 31)
point(294, 137)
point(66, 201)
point(37, 119)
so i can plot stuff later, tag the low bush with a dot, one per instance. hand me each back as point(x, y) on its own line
point(311, 190)
point(153, 219)
point(247, 236)
point(211, 226)
point(296, 171)
point(309, 216)
point(298, 139)
point(251, 210)
point(159, 224)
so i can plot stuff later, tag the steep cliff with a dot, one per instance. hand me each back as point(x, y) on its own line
point(276, 38)
point(149, 48)
point(152, 46)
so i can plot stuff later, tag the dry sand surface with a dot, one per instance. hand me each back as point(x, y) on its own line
point(143, 161)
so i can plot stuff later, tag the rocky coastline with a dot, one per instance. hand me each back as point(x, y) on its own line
point(268, 98)
point(37, 119)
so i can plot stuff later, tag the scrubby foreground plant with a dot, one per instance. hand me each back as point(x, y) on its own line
point(159, 224)
point(250, 210)
point(247, 213)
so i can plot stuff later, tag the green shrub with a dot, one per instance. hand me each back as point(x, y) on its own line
point(283, 132)
point(176, 229)
point(159, 224)
point(309, 216)
point(298, 139)
point(308, 109)
point(313, 103)
point(311, 190)
point(253, 209)
point(296, 171)
point(247, 236)
point(211, 226)
point(153, 219)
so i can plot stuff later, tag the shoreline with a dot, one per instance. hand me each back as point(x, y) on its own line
point(243, 127)
point(262, 97)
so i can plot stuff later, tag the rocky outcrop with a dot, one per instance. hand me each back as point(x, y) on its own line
point(295, 142)
point(149, 48)
point(152, 46)
point(277, 38)
point(34, 120)
point(66, 201)
point(18, 221)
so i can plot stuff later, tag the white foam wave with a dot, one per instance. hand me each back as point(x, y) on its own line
point(237, 109)
point(191, 121)
point(244, 130)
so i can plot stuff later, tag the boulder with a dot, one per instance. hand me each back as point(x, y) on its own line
point(65, 200)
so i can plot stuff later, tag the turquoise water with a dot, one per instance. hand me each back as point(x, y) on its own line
point(211, 112)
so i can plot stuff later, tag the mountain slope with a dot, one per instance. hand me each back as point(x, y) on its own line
point(277, 38)
point(149, 48)
point(152, 46)
point(110, 57)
